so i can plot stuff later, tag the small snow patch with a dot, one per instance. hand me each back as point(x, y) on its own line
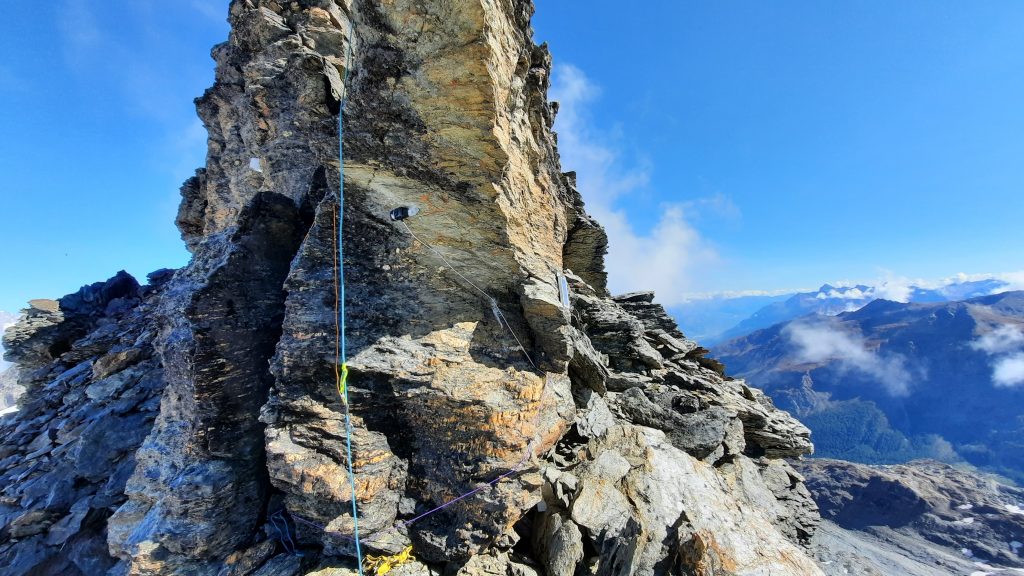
point(967, 520)
point(1016, 546)
point(967, 552)
point(965, 507)
point(8, 410)
point(254, 163)
point(1014, 509)
point(984, 569)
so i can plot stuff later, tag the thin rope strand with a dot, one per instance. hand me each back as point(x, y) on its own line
point(337, 311)
point(501, 316)
point(406, 523)
point(518, 343)
point(518, 467)
point(445, 260)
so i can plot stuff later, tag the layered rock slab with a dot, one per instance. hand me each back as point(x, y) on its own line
point(649, 508)
point(92, 390)
point(442, 397)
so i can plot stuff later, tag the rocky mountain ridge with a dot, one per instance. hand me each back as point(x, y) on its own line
point(193, 425)
point(917, 519)
point(705, 319)
point(892, 382)
point(832, 300)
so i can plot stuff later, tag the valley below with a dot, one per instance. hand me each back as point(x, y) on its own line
point(892, 382)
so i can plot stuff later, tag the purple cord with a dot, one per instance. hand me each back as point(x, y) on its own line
point(407, 523)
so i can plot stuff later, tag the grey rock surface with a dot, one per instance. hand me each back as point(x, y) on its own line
point(69, 449)
point(919, 518)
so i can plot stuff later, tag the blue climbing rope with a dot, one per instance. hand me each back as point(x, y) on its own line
point(341, 361)
point(340, 295)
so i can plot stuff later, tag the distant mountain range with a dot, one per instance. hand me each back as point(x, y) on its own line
point(718, 318)
point(894, 381)
point(706, 319)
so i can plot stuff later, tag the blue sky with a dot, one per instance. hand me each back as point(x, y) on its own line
point(99, 133)
point(826, 141)
point(733, 145)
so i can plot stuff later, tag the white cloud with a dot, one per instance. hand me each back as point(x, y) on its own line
point(887, 287)
point(894, 288)
point(1013, 280)
point(818, 341)
point(668, 256)
point(1009, 281)
point(732, 294)
point(1005, 342)
point(1008, 371)
point(664, 258)
point(1004, 338)
point(595, 156)
point(845, 294)
point(899, 288)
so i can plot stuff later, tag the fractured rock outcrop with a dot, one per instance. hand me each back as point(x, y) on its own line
point(92, 390)
point(916, 518)
point(593, 435)
point(200, 485)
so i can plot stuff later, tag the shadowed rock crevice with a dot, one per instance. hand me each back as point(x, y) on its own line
point(236, 320)
point(201, 483)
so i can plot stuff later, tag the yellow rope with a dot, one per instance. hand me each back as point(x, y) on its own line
point(381, 565)
point(343, 383)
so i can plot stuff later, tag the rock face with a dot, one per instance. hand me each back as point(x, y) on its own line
point(915, 519)
point(93, 386)
point(198, 423)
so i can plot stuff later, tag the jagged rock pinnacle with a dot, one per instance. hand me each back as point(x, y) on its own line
point(194, 426)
